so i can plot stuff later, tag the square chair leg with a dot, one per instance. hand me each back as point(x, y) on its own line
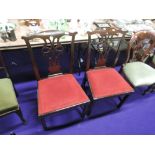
point(19, 113)
point(122, 101)
point(43, 122)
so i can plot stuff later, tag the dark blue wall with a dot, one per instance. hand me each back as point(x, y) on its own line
point(20, 68)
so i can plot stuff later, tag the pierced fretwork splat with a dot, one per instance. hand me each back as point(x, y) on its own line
point(101, 49)
point(52, 50)
point(106, 40)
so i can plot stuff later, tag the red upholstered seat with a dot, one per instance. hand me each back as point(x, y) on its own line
point(107, 82)
point(59, 92)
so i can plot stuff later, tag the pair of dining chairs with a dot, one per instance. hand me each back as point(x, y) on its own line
point(59, 92)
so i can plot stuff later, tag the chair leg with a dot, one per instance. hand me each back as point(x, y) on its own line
point(19, 113)
point(121, 70)
point(84, 82)
point(43, 122)
point(122, 101)
point(82, 114)
point(16, 92)
point(88, 108)
point(148, 90)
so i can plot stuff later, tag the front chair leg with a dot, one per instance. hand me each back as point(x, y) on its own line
point(83, 113)
point(43, 122)
point(122, 101)
point(20, 114)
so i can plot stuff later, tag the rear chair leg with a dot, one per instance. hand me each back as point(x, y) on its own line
point(43, 122)
point(122, 101)
point(148, 90)
point(84, 82)
point(19, 113)
point(121, 70)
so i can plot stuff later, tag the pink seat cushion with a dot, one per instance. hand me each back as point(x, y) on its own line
point(107, 82)
point(58, 93)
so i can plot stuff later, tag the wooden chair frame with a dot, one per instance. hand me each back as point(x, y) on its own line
point(104, 35)
point(105, 38)
point(133, 46)
point(52, 45)
point(47, 37)
point(18, 112)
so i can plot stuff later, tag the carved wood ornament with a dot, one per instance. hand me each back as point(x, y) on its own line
point(141, 45)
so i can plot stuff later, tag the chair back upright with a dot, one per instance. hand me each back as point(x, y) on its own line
point(52, 46)
point(107, 40)
point(3, 66)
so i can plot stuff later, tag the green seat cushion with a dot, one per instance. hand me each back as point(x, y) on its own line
point(8, 100)
point(139, 73)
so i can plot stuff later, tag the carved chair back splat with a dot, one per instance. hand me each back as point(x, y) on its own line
point(107, 39)
point(52, 48)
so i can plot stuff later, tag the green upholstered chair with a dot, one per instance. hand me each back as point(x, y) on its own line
point(8, 100)
point(135, 69)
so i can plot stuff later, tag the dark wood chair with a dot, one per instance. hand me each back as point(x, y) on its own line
point(8, 99)
point(57, 92)
point(104, 82)
point(136, 69)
